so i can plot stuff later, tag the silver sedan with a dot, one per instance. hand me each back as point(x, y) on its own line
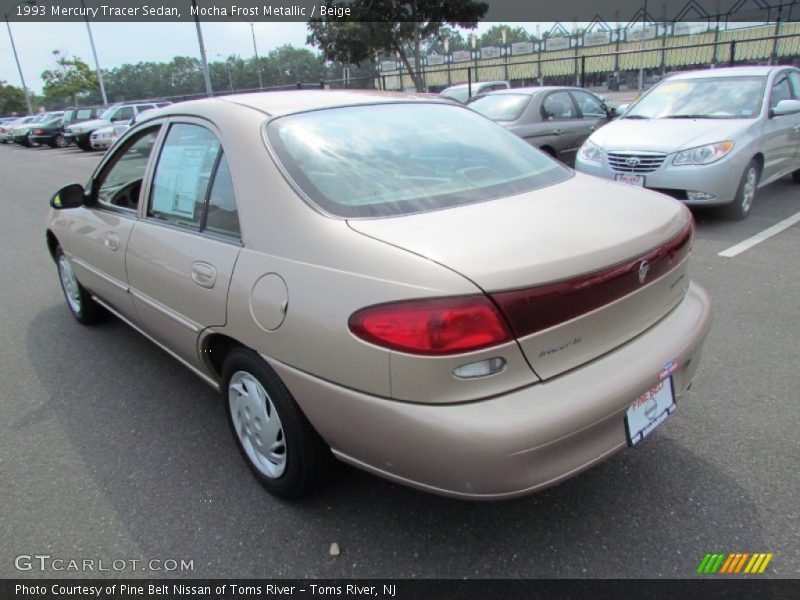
point(708, 138)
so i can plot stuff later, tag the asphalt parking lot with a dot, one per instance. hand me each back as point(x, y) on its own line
point(110, 449)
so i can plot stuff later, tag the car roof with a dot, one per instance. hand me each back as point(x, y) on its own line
point(537, 89)
point(294, 101)
point(727, 72)
point(460, 86)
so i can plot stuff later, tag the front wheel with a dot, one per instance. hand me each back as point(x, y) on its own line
point(60, 141)
point(745, 195)
point(85, 310)
point(282, 449)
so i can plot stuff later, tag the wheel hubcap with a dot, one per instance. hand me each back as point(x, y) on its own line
point(749, 189)
point(257, 424)
point(70, 284)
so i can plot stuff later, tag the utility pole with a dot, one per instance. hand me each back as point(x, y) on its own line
point(203, 60)
point(96, 62)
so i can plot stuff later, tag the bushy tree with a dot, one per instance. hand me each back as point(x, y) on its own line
point(12, 100)
point(70, 79)
point(402, 27)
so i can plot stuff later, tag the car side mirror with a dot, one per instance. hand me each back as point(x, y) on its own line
point(71, 196)
point(785, 107)
point(618, 111)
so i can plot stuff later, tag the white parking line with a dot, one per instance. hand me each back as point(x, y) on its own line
point(760, 237)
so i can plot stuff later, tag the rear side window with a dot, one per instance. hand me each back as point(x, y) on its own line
point(402, 158)
point(85, 113)
point(501, 107)
point(192, 186)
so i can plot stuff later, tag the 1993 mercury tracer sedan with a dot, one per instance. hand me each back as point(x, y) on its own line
point(392, 281)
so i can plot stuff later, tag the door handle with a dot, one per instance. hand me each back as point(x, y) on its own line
point(204, 274)
point(112, 241)
point(558, 131)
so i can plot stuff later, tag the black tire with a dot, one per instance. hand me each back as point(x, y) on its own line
point(59, 141)
point(85, 146)
point(85, 310)
point(739, 209)
point(308, 463)
point(796, 176)
point(27, 141)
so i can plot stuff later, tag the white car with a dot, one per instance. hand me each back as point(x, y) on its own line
point(707, 138)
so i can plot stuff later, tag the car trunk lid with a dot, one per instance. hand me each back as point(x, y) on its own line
point(562, 263)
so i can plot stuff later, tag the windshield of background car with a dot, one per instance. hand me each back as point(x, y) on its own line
point(709, 98)
point(501, 107)
point(396, 159)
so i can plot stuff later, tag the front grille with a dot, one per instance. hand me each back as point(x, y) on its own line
point(635, 162)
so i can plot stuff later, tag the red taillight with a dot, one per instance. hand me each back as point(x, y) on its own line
point(37, 132)
point(435, 326)
point(534, 309)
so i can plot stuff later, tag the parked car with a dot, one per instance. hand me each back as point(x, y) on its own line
point(420, 293)
point(81, 133)
point(462, 93)
point(707, 138)
point(21, 133)
point(555, 119)
point(48, 132)
point(77, 114)
point(103, 138)
point(8, 131)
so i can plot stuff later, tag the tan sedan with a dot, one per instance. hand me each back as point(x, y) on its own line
point(396, 282)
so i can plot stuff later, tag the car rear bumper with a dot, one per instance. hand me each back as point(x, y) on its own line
point(43, 139)
point(512, 444)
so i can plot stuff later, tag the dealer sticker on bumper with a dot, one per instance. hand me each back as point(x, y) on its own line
point(649, 410)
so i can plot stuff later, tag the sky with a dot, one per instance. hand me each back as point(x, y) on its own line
point(120, 43)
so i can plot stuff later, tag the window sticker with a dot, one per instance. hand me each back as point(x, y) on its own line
point(177, 179)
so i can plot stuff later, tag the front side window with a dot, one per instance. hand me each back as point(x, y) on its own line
point(558, 106)
point(591, 108)
point(84, 114)
point(119, 184)
point(780, 91)
point(123, 114)
point(402, 158)
point(794, 80)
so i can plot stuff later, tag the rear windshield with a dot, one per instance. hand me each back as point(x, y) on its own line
point(501, 107)
point(395, 159)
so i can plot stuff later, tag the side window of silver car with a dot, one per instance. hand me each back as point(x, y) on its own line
point(119, 184)
point(780, 91)
point(591, 108)
point(183, 174)
point(794, 79)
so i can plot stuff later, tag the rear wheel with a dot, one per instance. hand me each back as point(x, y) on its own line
point(85, 310)
point(282, 449)
point(745, 195)
point(59, 141)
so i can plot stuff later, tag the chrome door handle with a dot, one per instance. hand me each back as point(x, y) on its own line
point(204, 274)
point(112, 241)
point(558, 131)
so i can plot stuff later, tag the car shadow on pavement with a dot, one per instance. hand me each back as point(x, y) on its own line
point(155, 442)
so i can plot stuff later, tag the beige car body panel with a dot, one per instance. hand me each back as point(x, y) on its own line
point(298, 276)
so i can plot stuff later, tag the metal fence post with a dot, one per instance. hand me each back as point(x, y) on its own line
point(732, 58)
point(469, 82)
point(583, 71)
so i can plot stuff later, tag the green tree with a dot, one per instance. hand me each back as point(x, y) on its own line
point(70, 79)
point(455, 41)
point(494, 37)
point(380, 27)
point(12, 100)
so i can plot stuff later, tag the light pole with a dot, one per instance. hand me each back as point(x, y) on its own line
point(255, 51)
point(203, 60)
point(641, 53)
point(96, 62)
point(504, 33)
point(16, 57)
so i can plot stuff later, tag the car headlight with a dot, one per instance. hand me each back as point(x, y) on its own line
point(591, 153)
point(703, 155)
